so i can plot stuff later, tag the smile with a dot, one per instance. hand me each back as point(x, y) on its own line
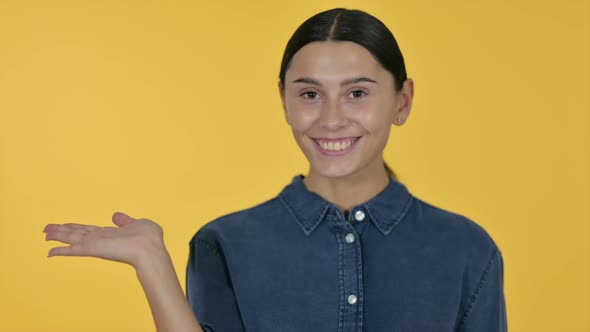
point(335, 146)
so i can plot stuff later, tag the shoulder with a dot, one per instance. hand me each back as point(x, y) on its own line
point(240, 222)
point(453, 230)
point(465, 244)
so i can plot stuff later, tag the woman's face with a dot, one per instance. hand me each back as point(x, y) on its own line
point(340, 103)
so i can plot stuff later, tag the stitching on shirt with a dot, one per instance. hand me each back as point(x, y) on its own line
point(292, 213)
point(306, 229)
point(340, 279)
point(478, 288)
point(214, 250)
point(387, 229)
point(361, 298)
point(404, 211)
point(211, 248)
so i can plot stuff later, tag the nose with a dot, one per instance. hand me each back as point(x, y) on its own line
point(332, 115)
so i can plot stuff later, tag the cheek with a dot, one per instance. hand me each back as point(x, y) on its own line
point(373, 119)
point(301, 118)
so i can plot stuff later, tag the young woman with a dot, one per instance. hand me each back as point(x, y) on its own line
point(346, 247)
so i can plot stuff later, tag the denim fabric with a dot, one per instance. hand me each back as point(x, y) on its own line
point(396, 264)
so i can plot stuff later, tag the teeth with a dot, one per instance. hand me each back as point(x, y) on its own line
point(336, 146)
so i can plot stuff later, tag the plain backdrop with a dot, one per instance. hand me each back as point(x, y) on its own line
point(169, 110)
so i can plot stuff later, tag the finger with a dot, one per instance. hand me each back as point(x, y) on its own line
point(74, 250)
point(87, 228)
point(70, 237)
point(51, 227)
point(121, 219)
point(70, 226)
point(66, 228)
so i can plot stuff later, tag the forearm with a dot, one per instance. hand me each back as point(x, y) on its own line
point(170, 309)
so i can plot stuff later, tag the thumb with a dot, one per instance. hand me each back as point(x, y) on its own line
point(121, 219)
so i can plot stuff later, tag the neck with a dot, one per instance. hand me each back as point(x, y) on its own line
point(348, 191)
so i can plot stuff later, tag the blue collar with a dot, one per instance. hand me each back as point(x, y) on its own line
point(385, 210)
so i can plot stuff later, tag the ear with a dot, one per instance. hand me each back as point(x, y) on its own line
point(404, 105)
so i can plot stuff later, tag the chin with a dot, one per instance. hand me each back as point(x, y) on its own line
point(333, 171)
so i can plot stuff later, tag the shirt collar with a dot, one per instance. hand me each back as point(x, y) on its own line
point(385, 210)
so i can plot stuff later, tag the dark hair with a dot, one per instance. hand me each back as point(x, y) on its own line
point(340, 24)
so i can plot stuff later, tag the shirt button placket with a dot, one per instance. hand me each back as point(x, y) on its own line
point(352, 265)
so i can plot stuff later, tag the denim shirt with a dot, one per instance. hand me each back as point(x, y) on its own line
point(295, 263)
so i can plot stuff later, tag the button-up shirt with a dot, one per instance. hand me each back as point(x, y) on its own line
point(294, 263)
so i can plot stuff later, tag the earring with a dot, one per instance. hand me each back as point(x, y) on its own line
point(399, 119)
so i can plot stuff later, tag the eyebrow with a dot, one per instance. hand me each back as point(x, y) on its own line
point(310, 80)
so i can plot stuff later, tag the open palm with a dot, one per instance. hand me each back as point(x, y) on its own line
point(129, 242)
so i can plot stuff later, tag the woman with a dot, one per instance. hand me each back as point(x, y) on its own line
point(346, 247)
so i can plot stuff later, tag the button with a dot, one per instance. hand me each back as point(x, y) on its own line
point(359, 215)
point(349, 238)
point(352, 299)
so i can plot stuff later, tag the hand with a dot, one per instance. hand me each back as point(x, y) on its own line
point(131, 242)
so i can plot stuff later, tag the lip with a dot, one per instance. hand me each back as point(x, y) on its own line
point(336, 153)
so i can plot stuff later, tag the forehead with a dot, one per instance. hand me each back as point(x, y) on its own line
point(334, 60)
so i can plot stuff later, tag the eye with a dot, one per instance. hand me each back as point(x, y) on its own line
point(358, 94)
point(309, 94)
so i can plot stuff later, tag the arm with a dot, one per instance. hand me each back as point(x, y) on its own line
point(486, 310)
point(168, 304)
point(139, 243)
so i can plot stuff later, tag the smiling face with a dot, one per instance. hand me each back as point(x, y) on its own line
point(340, 103)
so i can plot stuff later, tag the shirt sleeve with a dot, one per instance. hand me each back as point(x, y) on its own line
point(209, 290)
point(486, 311)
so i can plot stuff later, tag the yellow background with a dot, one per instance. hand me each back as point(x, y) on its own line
point(169, 110)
